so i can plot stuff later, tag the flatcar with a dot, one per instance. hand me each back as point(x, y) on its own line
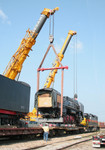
point(101, 124)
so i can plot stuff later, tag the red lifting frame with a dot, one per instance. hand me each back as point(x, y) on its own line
point(43, 69)
point(62, 76)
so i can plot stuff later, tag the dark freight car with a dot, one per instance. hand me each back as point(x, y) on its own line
point(14, 95)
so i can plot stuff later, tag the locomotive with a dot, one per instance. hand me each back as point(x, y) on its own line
point(73, 111)
point(48, 104)
point(90, 121)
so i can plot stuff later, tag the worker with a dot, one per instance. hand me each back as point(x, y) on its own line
point(46, 132)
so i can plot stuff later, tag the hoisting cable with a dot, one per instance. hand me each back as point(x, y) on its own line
point(51, 29)
point(51, 34)
point(75, 68)
point(76, 62)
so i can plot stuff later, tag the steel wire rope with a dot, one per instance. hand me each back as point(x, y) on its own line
point(51, 32)
point(75, 66)
point(51, 25)
point(76, 61)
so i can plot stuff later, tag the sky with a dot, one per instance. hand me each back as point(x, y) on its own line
point(87, 18)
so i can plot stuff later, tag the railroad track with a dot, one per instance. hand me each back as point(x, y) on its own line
point(59, 145)
point(64, 144)
point(53, 143)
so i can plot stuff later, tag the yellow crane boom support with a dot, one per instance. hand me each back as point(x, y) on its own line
point(15, 64)
point(52, 73)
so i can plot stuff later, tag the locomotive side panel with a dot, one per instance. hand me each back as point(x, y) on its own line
point(90, 122)
point(93, 120)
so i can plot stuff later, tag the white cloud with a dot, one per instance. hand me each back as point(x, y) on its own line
point(79, 45)
point(57, 48)
point(4, 17)
point(72, 45)
point(76, 46)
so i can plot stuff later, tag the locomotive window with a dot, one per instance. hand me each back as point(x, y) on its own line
point(86, 116)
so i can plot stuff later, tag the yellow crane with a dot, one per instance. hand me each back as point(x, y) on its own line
point(14, 66)
point(52, 73)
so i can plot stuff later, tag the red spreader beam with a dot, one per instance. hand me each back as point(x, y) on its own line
point(43, 69)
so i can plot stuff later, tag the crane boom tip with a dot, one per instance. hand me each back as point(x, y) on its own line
point(72, 32)
point(53, 11)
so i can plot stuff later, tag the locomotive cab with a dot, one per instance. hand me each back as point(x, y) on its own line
point(47, 102)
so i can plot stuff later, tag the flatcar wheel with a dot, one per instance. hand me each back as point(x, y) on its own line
point(51, 133)
point(77, 131)
point(67, 132)
point(60, 132)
